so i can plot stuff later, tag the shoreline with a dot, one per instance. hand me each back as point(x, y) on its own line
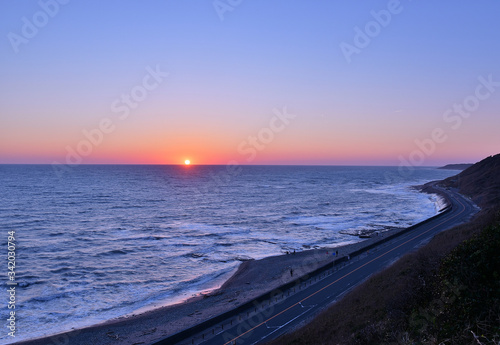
point(250, 280)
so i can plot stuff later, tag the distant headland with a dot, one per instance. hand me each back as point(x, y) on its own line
point(461, 166)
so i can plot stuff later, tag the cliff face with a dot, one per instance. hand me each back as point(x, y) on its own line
point(481, 182)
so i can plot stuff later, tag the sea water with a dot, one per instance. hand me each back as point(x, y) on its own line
point(101, 241)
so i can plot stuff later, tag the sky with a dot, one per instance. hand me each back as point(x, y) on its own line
point(249, 82)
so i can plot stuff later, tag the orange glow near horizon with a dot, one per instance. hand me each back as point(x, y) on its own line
point(291, 147)
point(221, 105)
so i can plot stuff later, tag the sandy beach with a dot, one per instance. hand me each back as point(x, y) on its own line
point(198, 173)
point(252, 279)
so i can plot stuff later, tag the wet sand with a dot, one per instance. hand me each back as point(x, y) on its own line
point(252, 279)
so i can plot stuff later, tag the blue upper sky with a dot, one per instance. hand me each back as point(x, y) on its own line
point(231, 62)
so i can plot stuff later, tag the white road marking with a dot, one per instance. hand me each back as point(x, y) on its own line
point(280, 327)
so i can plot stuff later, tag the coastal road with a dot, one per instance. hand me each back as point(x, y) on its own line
point(293, 306)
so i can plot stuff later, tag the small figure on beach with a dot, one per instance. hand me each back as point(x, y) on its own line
point(336, 253)
point(291, 272)
point(294, 252)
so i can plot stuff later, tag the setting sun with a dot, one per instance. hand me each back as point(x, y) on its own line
point(187, 162)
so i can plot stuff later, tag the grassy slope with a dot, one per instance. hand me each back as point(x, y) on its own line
point(447, 292)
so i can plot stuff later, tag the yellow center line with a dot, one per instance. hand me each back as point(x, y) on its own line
point(318, 291)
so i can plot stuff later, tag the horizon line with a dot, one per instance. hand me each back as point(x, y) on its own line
point(193, 164)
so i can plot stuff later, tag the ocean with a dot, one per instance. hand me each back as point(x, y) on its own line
point(102, 241)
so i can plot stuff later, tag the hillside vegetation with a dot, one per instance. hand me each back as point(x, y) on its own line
point(447, 292)
point(481, 181)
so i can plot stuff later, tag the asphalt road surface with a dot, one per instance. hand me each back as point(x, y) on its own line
point(272, 318)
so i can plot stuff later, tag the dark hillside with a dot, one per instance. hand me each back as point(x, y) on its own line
point(447, 292)
point(481, 181)
point(462, 166)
